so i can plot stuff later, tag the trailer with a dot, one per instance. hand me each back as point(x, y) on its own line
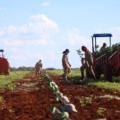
point(108, 63)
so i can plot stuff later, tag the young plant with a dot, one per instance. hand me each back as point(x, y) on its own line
point(101, 111)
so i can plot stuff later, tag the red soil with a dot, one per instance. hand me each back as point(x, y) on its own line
point(32, 99)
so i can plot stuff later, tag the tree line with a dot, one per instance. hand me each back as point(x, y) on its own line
point(24, 68)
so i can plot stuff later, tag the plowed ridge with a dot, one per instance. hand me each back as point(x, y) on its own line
point(32, 99)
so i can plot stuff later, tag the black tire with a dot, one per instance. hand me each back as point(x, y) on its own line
point(88, 75)
point(108, 73)
point(97, 72)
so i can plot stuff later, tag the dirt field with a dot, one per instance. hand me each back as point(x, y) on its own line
point(32, 99)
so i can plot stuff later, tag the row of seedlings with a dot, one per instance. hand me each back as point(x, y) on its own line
point(61, 112)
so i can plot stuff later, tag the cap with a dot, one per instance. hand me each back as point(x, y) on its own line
point(84, 48)
point(67, 50)
point(104, 43)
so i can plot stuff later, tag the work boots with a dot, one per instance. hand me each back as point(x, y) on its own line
point(82, 75)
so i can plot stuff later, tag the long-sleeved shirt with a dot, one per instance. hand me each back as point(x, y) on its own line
point(65, 61)
point(88, 57)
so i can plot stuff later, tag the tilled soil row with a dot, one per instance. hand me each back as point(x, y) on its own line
point(91, 102)
point(32, 99)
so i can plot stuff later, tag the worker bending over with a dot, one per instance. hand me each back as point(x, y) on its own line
point(87, 63)
point(38, 68)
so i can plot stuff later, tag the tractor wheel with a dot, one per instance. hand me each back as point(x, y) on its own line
point(108, 73)
point(89, 75)
point(6, 72)
point(97, 72)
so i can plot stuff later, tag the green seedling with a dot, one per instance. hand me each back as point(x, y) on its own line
point(84, 100)
point(101, 111)
point(47, 78)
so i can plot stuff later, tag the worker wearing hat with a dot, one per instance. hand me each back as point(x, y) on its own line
point(65, 63)
point(88, 63)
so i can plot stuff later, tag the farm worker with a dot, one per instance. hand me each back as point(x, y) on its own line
point(65, 63)
point(103, 46)
point(87, 63)
point(38, 68)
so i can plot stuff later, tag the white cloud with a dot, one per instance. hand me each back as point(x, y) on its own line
point(19, 57)
point(10, 29)
point(116, 33)
point(74, 37)
point(2, 33)
point(44, 42)
point(37, 31)
point(51, 55)
point(26, 56)
point(43, 21)
point(46, 4)
point(38, 24)
point(9, 42)
point(2, 8)
point(15, 43)
point(14, 49)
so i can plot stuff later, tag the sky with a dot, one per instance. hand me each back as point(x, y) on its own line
point(31, 30)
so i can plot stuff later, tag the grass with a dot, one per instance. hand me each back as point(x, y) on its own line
point(84, 100)
point(101, 111)
point(75, 73)
point(105, 85)
point(55, 72)
point(6, 81)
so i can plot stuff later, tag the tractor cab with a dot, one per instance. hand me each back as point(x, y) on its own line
point(4, 64)
point(94, 40)
point(1, 50)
